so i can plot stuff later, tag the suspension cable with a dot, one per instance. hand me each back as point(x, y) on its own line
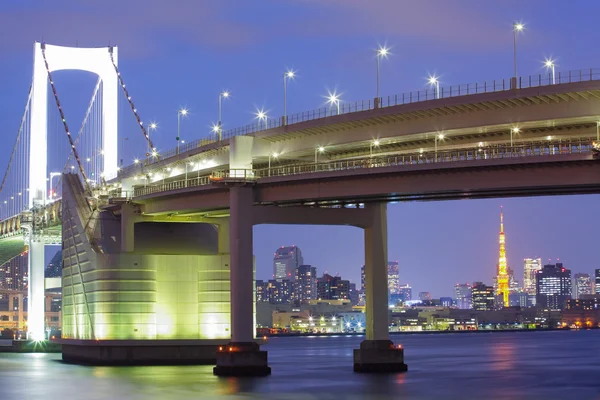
point(14, 150)
point(122, 83)
point(64, 121)
point(80, 133)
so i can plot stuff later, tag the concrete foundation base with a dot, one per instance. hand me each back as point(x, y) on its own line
point(140, 352)
point(241, 359)
point(379, 356)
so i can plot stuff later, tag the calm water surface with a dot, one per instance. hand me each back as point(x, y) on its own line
point(540, 365)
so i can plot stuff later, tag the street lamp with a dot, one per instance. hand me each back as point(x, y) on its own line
point(152, 126)
point(52, 175)
point(549, 64)
point(286, 75)
point(513, 131)
point(382, 52)
point(274, 155)
point(222, 95)
point(374, 143)
point(182, 112)
point(433, 81)
point(334, 98)
point(261, 115)
point(318, 150)
point(437, 137)
point(517, 27)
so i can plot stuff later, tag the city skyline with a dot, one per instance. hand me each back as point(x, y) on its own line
point(449, 241)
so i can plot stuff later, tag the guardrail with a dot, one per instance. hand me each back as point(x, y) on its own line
point(500, 85)
point(530, 149)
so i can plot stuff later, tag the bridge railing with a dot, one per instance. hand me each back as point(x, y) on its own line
point(427, 94)
point(529, 149)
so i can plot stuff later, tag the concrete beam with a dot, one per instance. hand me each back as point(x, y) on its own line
point(310, 216)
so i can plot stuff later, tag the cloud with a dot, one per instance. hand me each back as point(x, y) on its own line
point(141, 26)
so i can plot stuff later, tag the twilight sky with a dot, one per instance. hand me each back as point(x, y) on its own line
point(184, 52)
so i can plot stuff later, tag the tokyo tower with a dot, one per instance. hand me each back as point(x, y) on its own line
point(502, 278)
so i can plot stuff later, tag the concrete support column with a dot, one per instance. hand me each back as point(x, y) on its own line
point(376, 274)
point(128, 220)
point(35, 313)
point(377, 353)
point(242, 356)
point(223, 236)
point(241, 264)
point(20, 318)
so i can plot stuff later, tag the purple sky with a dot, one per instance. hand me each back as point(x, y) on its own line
point(186, 52)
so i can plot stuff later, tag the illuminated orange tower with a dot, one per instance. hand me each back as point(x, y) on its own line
point(502, 278)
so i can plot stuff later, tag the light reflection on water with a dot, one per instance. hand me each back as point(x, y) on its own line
point(550, 365)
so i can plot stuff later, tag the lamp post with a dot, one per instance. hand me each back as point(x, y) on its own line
point(261, 115)
point(382, 52)
point(437, 137)
point(191, 164)
point(182, 112)
point(513, 131)
point(222, 95)
point(334, 98)
point(434, 81)
point(517, 27)
point(274, 155)
point(549, 64)
point(286, 75)
point(374, 143)
point(318, 150)
point(151, 127)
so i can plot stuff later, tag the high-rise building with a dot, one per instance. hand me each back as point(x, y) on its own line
point(285, 262)
point(531, 266)
point(354, 294)
point(13, 274)
point(583, 285)
point(597, 279)
point(362, 278)
point(332, 288)
point(262, 291)
point(280, 291)
point(393, 278)
point(462, 295)
point(406, 292)
point(482, 297)
point(553, 286)
point(446, 302)
point(424, 296)
point(306, 283)
point(502, 277)
point(54, 268)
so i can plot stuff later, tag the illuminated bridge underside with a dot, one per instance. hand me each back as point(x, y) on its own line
point(534, 176)
point(11, 247)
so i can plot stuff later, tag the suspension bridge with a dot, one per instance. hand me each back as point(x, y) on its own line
point(122, 226)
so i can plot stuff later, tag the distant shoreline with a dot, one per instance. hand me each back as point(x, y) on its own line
point(481, 331)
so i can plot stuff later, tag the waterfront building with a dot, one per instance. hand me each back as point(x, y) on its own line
point(262, 291)
point(597, 279)
point(482, 297)
point(353, 294)
point(462, 295)
point(306, 283)
point(553, 286)
point(13, 274)
point(446, 301)
point(531, 266)
point(583, 285)
point(502, 269)
point(285, 262)
point(405, 292)
point(332, 288)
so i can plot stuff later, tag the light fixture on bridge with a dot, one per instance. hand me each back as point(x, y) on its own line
point(151, 126)
point(517, 27)
point(289, 74)
point(435, 82)
point(550, 64)
point(334, 99)
point(215, 128)
point(181, 112)
point(154, 153)
point(513, 131)
point(136, 161)
point(549, 138)
point(441, 136)
point(261, 115)
point(437, 137)
point(88, 159)
point(382, 52)
point(223, 95)
point(318, 150)
point(101, 152)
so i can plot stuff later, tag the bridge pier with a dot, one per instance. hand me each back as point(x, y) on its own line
point(377, 353)
point(35, 316)
point(242, 356)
